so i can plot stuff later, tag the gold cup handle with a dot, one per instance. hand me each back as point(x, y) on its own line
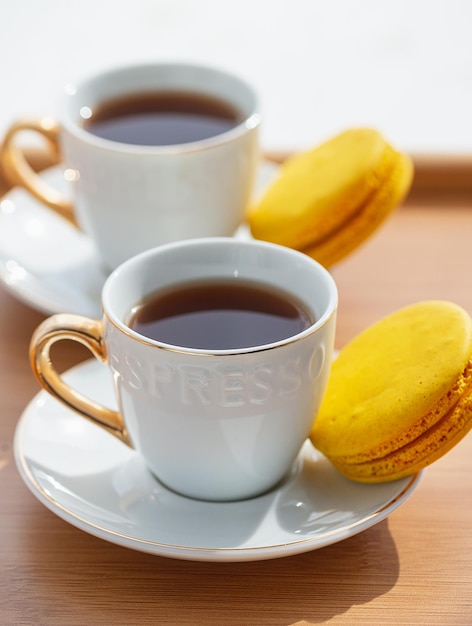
point(18, 171)
point(88, 332)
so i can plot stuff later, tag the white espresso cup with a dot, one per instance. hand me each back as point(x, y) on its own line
point(129, 197)
point(213, 424)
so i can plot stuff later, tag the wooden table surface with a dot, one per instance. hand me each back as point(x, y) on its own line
point(413, 568)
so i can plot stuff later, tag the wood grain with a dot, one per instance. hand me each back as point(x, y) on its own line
point(414, 568)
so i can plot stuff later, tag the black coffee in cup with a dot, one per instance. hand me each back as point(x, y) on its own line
point(162, 118)
point(220, 315)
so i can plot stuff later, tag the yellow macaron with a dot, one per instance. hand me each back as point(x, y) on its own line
point(327, 201)
point(400, 394)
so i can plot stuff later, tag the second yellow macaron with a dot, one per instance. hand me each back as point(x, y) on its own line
point(327, 201)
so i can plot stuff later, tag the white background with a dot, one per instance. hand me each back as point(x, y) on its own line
point(404, 67)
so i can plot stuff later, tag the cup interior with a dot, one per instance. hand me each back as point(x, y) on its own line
point(230, 259)
point(81, 99)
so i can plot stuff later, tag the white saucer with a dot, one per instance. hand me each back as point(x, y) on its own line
point(46, 262)
point(99, 485)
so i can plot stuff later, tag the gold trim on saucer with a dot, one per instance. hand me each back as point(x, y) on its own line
point(324, 536)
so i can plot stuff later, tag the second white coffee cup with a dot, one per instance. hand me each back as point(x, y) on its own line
point(130, 197)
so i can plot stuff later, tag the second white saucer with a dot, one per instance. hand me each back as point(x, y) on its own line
point(44, 261)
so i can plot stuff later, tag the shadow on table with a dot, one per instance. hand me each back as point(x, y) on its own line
point(314, 586)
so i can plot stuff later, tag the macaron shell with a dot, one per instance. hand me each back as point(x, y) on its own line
point(387, 383)
point(319, 190)
point(359, 226)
